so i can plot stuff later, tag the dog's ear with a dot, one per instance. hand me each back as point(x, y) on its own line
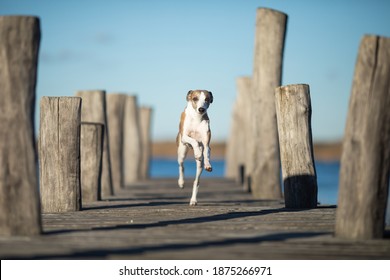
point(189, 95)
point(211, 97)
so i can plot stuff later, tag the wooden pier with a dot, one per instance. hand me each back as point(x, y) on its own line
point(152, 220)
point(45, 216)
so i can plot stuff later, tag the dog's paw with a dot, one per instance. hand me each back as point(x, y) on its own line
point(208, 168)
point(193, 203)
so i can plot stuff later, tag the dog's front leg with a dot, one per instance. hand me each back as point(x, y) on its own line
point(181, 155)
point(195, 145)
point(195, 188)
point(206, 151)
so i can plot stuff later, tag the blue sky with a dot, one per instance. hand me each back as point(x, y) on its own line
point(159, 50)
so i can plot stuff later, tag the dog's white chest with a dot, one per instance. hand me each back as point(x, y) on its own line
point(194, 131)
point(195, 127)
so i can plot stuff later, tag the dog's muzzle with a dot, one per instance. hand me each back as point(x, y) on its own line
point(201, 110)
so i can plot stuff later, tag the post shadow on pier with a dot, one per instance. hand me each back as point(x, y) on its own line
point(133, 205)
point(101, 253)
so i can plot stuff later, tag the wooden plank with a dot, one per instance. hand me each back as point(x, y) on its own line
point(152, 220)
point(19, 198)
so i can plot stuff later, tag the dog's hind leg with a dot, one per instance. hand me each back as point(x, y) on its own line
point(195, 188)
point(181, 155)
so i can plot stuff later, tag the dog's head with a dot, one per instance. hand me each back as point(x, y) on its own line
point(200, 100)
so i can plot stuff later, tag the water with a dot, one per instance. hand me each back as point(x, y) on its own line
point(327, 175)
point(327, 181)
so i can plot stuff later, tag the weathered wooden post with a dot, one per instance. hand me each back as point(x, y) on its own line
point(91, 151)
point(231, 170)
point(115, 111)
point(59, 154)
point(237, 152)
point(131, 141)
point(145, 119)
point(19, 199)
point(387, 215)
point(365, 160)
point(293, 111)
point(244, 85)
point(267, 75)
point(94, 110)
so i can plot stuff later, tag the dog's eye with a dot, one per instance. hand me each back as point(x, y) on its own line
point(195, 99)
point(207, 100)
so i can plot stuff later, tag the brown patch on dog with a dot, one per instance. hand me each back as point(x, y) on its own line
point(208, 137)
point(181, 124)
point(189, 94)
point(193, 96)
point(209, 95)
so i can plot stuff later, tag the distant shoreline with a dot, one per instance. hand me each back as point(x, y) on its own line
point(324, 151)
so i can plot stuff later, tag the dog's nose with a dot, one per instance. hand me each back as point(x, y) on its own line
point(201, 110)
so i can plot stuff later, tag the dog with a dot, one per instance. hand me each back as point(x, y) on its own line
point(195, 133)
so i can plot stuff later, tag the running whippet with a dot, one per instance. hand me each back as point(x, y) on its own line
point(194, 131)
